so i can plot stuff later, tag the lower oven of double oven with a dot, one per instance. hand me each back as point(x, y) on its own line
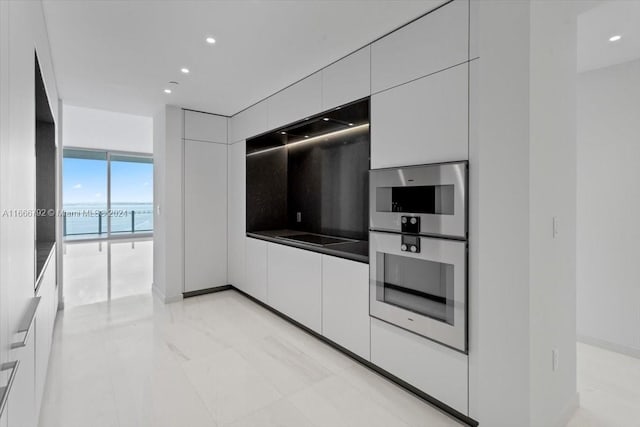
point(419, 283)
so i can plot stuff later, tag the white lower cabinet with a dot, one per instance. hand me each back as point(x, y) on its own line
point(255, 283)
point(345, 304)
point(25, 398)
point(431, 367)
point(330, 295)
point(295, 284)
point(21, 404)
point(43, 334)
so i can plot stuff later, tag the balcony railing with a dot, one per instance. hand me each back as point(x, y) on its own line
point(95, 222)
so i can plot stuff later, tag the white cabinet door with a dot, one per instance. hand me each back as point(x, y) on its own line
point(295, 284)
point(205, 215)
point(432, 43)
point(256, 269)
point(347, 80)
point(425, 121)
point(296, 102)
point(44, 322)
point(237, 214)
point(431, 367)
point(345, 304)
point(205, 127)
point(249, 123)
point(21, 406)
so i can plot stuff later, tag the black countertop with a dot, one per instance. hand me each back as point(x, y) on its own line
point(43, 252)
point(355, 250)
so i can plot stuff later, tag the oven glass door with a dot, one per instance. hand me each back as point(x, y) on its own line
point(423, 291)
point(433, 194)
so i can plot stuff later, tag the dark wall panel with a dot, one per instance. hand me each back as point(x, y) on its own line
point(312, 176)
point(267, 190)
point(45, 181)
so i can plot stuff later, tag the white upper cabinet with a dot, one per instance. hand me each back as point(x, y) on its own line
point(205, 127)
point(249, 123)
point(347, 80)
point(434, 42)
point(296, 102)
point(425, 121)
point(294, 284)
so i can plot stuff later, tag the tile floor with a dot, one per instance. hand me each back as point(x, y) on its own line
point(609, 387)
point(221, 360)
point(97, 271)
point(213, 360)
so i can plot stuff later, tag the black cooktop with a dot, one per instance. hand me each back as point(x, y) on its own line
point(315, 239)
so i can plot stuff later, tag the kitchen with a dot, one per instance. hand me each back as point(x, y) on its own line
point(384, 206)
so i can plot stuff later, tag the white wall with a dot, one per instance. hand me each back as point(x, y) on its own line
point(107, 130)
point(552, 174)
point(609, 207)
point(499, 215)
point(168, 242)
point(22, 29)
point(522, 171)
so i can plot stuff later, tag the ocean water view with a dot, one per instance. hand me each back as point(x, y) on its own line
point(91, 218)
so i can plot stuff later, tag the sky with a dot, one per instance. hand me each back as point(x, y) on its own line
point(85, 181)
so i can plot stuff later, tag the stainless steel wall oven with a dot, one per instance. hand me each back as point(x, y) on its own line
point(418, 250)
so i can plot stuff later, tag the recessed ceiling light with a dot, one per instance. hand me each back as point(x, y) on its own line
point(211, 40)
point(306, 136)
point(326, 119)
point(283, 133)
point(185, 70)
point(350, 124)
point(167, 91)
point(615, 38)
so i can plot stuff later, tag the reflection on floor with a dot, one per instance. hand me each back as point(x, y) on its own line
point(97, 271)
point(213, 360)
point(609, 387)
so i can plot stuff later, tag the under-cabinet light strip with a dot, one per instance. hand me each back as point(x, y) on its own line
point(313, 139)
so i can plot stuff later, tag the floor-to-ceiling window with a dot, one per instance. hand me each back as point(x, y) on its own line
point(106, 193)
point(84, 189)
point(108, 225)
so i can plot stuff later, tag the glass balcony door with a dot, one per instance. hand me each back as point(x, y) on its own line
point(131, 194)
point(106, 194)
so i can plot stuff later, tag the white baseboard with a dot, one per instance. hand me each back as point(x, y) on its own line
point(607, 345)
point(162, 297)
point(568, 411)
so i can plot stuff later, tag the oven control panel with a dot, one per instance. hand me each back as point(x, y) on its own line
point(410, 224)
point(410, 244)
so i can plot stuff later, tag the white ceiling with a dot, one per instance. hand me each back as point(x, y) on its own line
point(596, 25)
point(120, 55)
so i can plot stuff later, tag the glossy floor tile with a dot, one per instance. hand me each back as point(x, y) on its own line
point(97, 271)
point(213, 360)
